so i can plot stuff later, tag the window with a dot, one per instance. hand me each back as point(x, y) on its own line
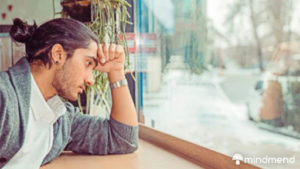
point(5, 55)
point(10, 52)
point(222, 74)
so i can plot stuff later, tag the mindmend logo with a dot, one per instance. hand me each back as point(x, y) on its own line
point(263, 160)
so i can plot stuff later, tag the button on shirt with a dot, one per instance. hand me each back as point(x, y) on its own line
point(39, 134)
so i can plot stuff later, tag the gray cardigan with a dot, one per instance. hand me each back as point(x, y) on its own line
point(73, 131)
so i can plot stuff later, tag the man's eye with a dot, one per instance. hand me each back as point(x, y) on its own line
point(88, 63)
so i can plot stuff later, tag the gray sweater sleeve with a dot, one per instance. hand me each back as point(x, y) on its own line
point(94, 135)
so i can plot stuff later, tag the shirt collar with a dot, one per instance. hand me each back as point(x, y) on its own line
point(45, 111)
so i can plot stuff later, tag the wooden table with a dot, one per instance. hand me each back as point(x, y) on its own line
point(148, 156)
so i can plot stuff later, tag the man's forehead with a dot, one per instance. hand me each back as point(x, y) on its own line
point(92, 48)
point(93, 45)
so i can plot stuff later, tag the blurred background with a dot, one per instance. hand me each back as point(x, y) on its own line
point(220, 74)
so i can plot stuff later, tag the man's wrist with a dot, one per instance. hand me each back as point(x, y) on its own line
point(114, 76)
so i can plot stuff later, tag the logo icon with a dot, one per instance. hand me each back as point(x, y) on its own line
point(237, 158)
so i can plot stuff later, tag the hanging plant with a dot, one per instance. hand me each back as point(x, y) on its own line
point(78, 9)
point(108, 21)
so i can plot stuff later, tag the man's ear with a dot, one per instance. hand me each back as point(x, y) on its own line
point(58, 54)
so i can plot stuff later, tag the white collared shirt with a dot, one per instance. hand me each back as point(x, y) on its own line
point(39, 133)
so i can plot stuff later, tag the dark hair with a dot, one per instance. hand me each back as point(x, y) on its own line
point(69, 33)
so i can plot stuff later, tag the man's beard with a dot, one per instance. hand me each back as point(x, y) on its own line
point(62, 84)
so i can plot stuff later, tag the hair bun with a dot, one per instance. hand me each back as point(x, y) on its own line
point(21, 31)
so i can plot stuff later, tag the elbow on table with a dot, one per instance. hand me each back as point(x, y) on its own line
point(132, 147)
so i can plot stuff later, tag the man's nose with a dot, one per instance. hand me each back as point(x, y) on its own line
point(89, 80)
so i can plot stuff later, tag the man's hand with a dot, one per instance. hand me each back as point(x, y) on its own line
point(111, 58)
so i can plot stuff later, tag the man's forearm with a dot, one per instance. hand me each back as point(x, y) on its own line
point(123, 109)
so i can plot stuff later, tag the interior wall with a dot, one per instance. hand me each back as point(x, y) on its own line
point(38, 10)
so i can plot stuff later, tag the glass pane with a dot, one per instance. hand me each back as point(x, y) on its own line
point(223, 75)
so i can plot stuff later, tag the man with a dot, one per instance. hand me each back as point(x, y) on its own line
point(35, 125)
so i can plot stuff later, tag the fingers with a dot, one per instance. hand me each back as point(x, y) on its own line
point(120, 56)
point(112, 51)
point(108, 52)
point(100, 53)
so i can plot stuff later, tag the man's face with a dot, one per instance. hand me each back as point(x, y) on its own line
point(76, 73)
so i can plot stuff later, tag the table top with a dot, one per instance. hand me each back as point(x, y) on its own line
point(148, 156)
